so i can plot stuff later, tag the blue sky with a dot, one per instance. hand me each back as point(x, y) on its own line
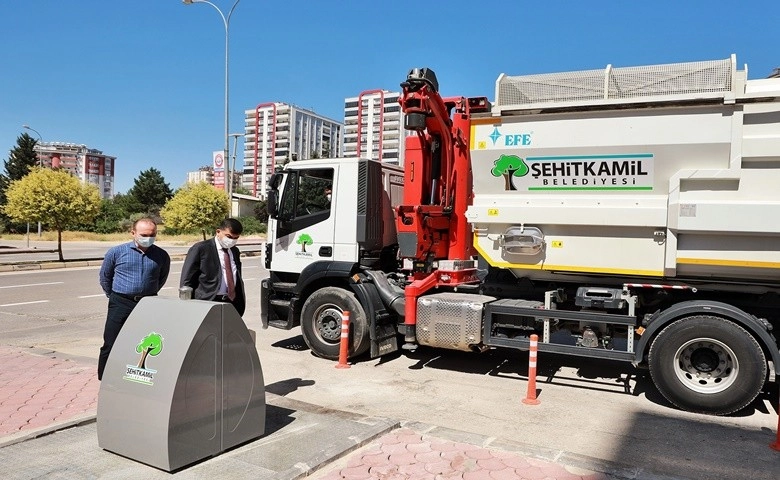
point(143, 80)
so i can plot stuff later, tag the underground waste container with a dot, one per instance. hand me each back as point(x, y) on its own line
point(183, 383)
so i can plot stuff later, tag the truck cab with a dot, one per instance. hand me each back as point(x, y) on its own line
point(328, 218)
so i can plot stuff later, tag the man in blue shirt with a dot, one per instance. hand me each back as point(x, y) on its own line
point(130, 272)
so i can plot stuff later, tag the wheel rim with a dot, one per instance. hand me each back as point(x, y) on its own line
point(706, 365)
point(327, 323)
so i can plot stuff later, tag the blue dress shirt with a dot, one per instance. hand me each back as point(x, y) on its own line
point(130, 271)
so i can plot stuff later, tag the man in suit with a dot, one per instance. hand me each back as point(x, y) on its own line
point(213, 267)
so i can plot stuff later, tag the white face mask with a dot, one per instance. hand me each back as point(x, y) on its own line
point(328, 197)
point(144, 242)
point(227, 242)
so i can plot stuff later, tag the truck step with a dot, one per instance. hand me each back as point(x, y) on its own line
point(287, 287)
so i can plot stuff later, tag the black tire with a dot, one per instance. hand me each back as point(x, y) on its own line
point(707, 364)
point(321, 319)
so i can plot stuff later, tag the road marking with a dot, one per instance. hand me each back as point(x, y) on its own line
point(23, 303)
point(92, 296)
point(32, 285)
point(248, 279)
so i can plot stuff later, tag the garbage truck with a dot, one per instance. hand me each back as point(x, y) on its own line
point(625, 213)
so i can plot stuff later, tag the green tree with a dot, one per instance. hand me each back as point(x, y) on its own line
point(150, 192)
point(152, 344)
point(109, 219)
point(196, 206)
point(303, 240)
point(128, 204)
point(54, 197)
point(21, 159)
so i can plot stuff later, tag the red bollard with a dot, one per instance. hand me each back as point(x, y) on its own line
point(776, 444)
point(344, 345)
point(530, 398)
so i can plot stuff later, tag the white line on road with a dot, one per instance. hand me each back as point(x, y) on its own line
point(23, 303)
point(32, 285)
point(92, 296)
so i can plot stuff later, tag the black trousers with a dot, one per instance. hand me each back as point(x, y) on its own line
point(119, 308)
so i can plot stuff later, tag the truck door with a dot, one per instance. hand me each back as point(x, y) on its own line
point(303, 231)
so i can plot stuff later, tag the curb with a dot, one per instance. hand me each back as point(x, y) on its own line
point(323, 460)
point(33, 434)
point(92, 262)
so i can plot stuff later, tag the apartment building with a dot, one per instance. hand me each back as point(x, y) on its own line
point(203, 174)
point(374, 127)
point(87, 164)
point(277, 133)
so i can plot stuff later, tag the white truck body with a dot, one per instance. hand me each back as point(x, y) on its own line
point(677, 177)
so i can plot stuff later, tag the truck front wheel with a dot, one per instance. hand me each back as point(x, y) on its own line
point(321, 319)
point(707, 364)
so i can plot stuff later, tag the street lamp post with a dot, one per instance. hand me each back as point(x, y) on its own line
point(40, 164)
point(226, 22)
point(235, 151)
point(233, 169)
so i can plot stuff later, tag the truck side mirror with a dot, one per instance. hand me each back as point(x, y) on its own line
point(272, 204)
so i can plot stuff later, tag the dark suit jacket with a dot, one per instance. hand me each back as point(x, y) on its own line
point(203, 273)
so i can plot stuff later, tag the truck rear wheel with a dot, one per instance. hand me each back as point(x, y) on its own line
point(321, 319)
point(707, 364)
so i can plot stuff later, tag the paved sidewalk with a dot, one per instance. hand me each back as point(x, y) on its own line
point(41, 391)
point(406, 453)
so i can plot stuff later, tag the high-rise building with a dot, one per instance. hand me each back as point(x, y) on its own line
point(203, 174)
point(87, 164)
point(374, 127)
point(277, 133)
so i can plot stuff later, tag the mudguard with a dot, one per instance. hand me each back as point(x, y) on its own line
point(382, 324)
point(694, 307)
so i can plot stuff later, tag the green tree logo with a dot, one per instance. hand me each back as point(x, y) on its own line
point(509, 166)
point(152, 344)
point(304, 240)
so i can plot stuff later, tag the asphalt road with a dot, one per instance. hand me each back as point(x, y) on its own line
point(599, 409)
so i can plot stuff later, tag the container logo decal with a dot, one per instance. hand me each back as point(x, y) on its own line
point(151, 344)
point(576, 172)
point(500, 140)
point(303, 240)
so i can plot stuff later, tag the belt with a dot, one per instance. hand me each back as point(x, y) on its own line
point(134, 298)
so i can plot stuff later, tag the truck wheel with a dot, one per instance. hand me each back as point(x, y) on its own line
point(707, 364)
point(321, 318)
